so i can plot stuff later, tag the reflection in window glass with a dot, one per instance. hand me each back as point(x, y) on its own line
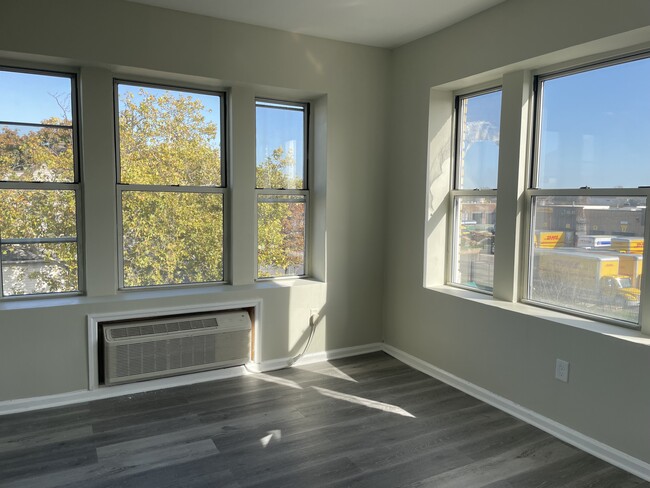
point(587, 254)
point(594, 128)
point(478, 141)
point(474, 237)
point(280, 136)
point(172, 237)
point(281, 236)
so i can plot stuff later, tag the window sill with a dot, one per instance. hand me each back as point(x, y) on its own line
point(554, 316)
point(152, 294)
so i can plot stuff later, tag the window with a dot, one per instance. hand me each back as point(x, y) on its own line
point(171, 185)
point(473, 195)
point(589, 190)
point(39, 183)
point(282, 191)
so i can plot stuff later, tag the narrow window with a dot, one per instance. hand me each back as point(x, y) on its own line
point(171, 185)
point(474, 197)
point(588, 200)
point(39, 183)
point(282, 191)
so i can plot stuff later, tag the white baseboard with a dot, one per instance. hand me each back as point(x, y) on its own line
point(562, 432)
point(81, 396)
point(315, 357)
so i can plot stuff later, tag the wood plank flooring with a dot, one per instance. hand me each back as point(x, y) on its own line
point(367, 421)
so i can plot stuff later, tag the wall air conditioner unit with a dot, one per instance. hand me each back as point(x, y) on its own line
point(167, 346)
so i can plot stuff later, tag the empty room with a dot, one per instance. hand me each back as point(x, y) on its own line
point(289, 243)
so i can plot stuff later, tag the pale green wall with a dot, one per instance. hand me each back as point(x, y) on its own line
point(503, 349)
point(43, 347)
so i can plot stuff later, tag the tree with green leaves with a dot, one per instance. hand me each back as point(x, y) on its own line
point(30, 216)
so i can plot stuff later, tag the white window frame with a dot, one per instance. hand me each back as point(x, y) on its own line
point(75, 185)
point(304, 192)
point(223, 189)
point(455, 193)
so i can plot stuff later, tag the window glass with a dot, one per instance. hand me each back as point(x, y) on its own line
point(474, 236)
point(172, 237)
point(282, 194)
point(171, 186)
point(477, 149)
point(38, 223)
point(587, 254)
point(477, 160)
point(281, 235)
point(280, 147)
point(169, 137)
point(594, 128)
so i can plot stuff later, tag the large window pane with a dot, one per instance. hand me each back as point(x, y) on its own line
point(39, 248)
point(41, 153)
point(35, 98)
point(172, 238)
point(280, 236)
point(26, 214)
point(478, 141)
point(169, 137)
point(280, 146)
point(36, 268)
point(594, 128)
point(474, 240)
point(587, 254)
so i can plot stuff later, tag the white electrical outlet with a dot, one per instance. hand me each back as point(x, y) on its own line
point(562, 370)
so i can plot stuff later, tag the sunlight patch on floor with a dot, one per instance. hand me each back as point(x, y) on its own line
point(272, 434)
point(335, 372)
point(385, 407)
point(278, 381)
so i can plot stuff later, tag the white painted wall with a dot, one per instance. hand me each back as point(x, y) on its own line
point(43, 342)
point(504, 347)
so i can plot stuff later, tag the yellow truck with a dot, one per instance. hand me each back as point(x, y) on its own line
point(549, 239)
point(628, 245)
point(631, 265)
point(565, 276)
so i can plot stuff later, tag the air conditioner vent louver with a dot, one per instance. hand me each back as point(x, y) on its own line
point(135, 351)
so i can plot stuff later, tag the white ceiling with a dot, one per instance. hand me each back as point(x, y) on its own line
point(381, 23)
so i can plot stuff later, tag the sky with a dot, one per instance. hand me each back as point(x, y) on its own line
point(481, 134)
point(28, 98)
point(595, 128)
point(279, 127)
point(594, 131)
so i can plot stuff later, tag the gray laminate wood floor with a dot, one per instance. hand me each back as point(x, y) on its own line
point(368, 421)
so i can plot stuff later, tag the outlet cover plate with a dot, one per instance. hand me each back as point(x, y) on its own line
point(562, 370)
